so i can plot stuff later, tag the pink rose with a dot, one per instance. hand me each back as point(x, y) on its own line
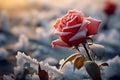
point(73, 29)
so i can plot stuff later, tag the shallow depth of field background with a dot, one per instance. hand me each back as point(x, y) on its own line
point(27, 26)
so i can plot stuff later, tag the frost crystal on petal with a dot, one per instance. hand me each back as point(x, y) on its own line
point(74, 26)
point(78, 35)
point(61, 33)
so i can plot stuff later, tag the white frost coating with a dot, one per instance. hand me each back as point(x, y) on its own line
point(70, 74)
point(32, 77)
point(85, 22)
point(98, 50)
point(3, 38)
point(42, 35)
point(74, 26)
point(4, 25)
point(61, 33)
point(3, 54)
point(35, 77)
point(34, 64)
point(73, 19)
point(6, 77)
point(113, 69)
point(18, 70)
point(22, 43)
point(94, 19)
point(78, 35)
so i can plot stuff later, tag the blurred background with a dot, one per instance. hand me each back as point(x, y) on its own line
point(27, 26)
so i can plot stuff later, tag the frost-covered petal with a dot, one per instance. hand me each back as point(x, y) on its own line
point(59, 42)
point(61, 33)
point(78, 35)
point(79, 14)
point(74, 26)
point(73, 21)
point(93, 26)
point(84, 24)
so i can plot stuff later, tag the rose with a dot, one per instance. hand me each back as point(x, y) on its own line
point(109, 7)
point(73, 29)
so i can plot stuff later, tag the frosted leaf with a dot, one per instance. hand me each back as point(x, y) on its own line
point(79, 62)
point(98, 50)
point(70, 59)
point(93, 70)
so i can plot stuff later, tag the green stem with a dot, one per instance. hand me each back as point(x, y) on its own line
point(84, 45)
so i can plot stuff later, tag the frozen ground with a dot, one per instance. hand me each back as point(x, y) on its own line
point(29, 29)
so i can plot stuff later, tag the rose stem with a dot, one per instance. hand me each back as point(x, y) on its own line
point(87, 51)
point(76, 47)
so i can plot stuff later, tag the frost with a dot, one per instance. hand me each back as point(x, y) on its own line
point(110, 40)
point(112, 71)
point(22, 44)
point(35, 77)
point(4, 22)
point(78, 35)
point(78, 74)
point(3, 39)
point(34, 31)
point(22, 59)
point(51, 61)
point(98, 50)
point(61, 33)
point(74, 26)
point(3, 54)
point(44, 37)
point(6, 77)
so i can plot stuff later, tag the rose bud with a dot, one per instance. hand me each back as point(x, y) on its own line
point(109, 7)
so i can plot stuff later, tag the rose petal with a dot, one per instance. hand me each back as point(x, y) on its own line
point(79, 14)
point(59, 42)
point(84, 24)
point(73, 21)
point(78, 35)
point(61, 33)
point(93, 26)
point(74, 26)
point(57, 23)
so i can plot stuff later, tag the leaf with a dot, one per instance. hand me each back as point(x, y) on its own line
point(43, 75)
point(98, 50)
point(104, 64)
point(79, 62)
point(70, 58)
point(93, 70)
